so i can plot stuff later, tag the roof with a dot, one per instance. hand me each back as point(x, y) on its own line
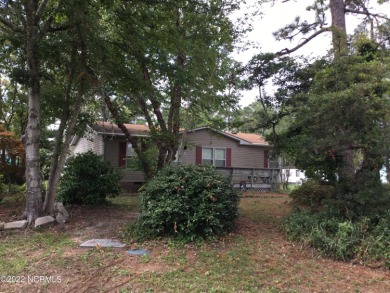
point(243, 138)
point(109, 128)
point(253, 138)
point(113, 129)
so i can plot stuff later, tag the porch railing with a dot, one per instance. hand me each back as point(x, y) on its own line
point(252, 177)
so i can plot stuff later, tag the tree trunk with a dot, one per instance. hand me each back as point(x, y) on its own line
point(48, 204)
point(33, 176)
point(59, 163)
point(340, 48)
point(62, 147)
point(347, 170)
point(339, 31)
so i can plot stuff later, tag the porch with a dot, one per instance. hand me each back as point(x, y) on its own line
point(245, 178)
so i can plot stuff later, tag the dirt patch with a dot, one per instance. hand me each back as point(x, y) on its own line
point(97, 222)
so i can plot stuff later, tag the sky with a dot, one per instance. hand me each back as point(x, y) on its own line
point(275, 17)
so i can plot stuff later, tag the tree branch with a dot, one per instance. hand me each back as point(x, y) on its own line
point(10, 25)
point(40, 10)
point(155, 104)
point(287, 51)
point(367, 13)
point(58, 28)
point(47, 24)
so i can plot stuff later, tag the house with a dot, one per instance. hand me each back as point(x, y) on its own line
point(243, 156)
point(293, 175)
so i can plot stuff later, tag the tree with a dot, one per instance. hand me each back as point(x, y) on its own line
point(283, 72)
point(27, 28)
point(338, 9)
point(346, 110)
point(75, 82)
point(29, 22)
point(167, 55)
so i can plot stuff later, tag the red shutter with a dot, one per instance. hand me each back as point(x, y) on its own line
point(266, 154)
point(122, 153)
point(228, 157)
point(198, 155)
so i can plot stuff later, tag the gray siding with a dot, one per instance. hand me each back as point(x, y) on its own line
point(242, 156)
point(91, 141)
point(111, 151)
point(111, 154)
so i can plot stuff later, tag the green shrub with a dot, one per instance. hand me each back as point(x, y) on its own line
point(312, 193)
point(11, 194)
point(188, 202)
point(88, 179)
point(376, 246)
point(365, 239)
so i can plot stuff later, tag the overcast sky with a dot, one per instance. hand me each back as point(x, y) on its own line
point(275, 17)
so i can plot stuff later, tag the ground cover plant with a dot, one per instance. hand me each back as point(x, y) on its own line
point(255, 257)
point(331, 224)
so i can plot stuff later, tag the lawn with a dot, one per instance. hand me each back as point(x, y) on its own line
point(255, 258)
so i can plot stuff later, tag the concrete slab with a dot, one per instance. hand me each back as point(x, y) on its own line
point(15, 225)
point(43, 221)
point(103, 243)
point(138, 252)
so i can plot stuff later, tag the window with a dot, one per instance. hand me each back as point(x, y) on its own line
point(207, 156)
point(220, 157)
point(130, 155)
point(214, 156)
point(297, 174)
point(130, 152)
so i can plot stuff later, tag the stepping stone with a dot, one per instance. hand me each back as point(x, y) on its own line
point(15, 225)
point(103, 243)
point(43, 221)
point(138, 252)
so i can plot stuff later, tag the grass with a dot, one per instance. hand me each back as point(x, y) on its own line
point(255, 258)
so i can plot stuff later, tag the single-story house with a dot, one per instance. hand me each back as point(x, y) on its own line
point(243, 156)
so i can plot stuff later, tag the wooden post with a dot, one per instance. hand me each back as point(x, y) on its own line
point(252, 175)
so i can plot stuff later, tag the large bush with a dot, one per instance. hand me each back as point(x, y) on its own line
point(188, 202)
point(313, 193)
point(88, 179)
